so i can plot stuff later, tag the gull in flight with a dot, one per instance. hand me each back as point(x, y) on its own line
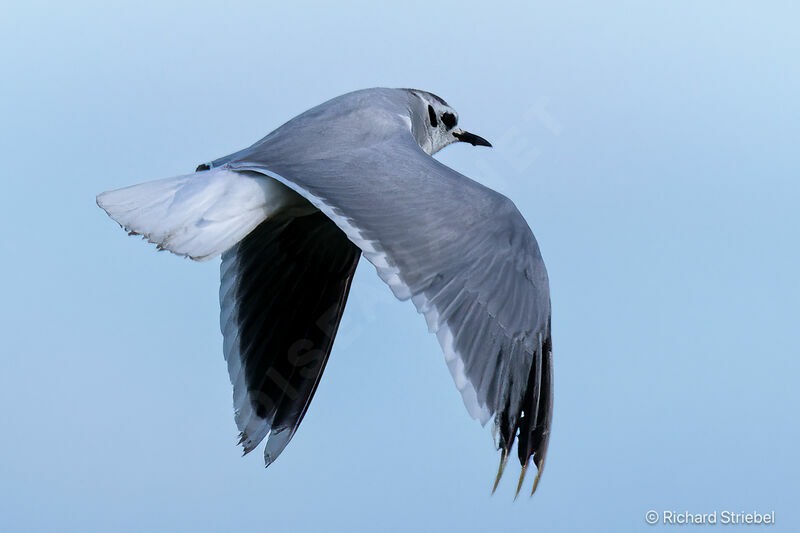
point(292, 214)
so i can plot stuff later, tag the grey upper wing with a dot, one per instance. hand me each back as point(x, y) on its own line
point(463, 254)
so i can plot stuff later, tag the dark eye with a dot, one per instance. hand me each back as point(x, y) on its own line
point(449, 120)
point(432, 115)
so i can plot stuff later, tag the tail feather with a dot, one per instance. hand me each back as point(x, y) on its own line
point(199, 215)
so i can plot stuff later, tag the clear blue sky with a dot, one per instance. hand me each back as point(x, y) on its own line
point(652, 146)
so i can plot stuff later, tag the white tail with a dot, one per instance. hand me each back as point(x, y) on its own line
point(199, 215)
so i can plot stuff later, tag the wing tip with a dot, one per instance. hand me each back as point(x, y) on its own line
point(536, 479)
point(500, 469)
point(539, 465)
point(521, 480)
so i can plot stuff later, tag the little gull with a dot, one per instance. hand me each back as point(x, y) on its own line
point(292, 214)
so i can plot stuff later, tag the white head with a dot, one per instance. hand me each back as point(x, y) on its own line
point(435, 124)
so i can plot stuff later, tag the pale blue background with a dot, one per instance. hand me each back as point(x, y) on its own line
point(652, 146)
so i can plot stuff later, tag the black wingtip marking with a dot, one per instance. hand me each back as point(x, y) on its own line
point(528, 422)
point(201, 168)
point(534, 430)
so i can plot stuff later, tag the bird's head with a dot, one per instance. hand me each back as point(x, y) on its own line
point(435, 124)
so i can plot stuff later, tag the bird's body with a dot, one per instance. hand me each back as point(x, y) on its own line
point(291, 216)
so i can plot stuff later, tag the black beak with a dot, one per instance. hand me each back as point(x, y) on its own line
point(471, 138)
